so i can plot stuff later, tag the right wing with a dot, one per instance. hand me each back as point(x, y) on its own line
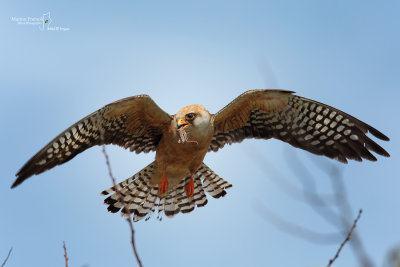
point(301, 122)
point(134, 122)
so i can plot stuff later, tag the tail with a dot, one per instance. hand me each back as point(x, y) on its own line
point(142, 199)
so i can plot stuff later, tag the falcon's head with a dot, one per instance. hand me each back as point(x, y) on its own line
point(195, 119)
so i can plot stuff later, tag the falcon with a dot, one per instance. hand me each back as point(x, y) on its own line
point(176, 181)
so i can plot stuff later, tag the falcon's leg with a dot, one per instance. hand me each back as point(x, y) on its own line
point(164, 183)
point(190, 187)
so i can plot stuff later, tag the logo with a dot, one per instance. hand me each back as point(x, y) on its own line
point(44, 23)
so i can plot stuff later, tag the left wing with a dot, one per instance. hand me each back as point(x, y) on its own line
point(301, 122)
point(135, 122)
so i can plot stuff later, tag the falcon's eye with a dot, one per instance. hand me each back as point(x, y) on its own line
point(190, 116)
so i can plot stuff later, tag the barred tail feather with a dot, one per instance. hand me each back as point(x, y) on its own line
point(212, 183)
point(143, 200)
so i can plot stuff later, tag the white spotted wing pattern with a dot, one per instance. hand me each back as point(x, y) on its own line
point(135, 123)
point(301, 122)
point(139, 124)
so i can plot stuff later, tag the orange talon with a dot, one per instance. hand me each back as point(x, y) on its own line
point(190, 187)
point(164, 184)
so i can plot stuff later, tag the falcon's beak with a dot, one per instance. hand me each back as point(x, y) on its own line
point(182, 123)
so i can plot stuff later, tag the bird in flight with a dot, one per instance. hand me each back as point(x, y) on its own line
point(176, 181)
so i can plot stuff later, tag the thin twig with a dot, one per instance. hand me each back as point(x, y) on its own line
point(297, 230)
point(4, 262)
point(121, 198)
point(307, 179)
point(316, 201)
point(344, 208)
point(346, 240)
point(133, 241)
point(125, 207)
point(65, 254)
point(336, 210)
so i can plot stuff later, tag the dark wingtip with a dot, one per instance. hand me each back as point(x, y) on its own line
point(15, 184)
point(378, 134)
point(18, 181)
point(24, 173)
point(383, 152)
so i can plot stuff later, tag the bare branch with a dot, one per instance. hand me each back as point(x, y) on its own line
point(344, 208)
point(133, 241)
point(5, 261)
point(297, 230)
point(121, 198)
point(304, 194)
point(334, 208)
point(320, 203)
point(314, 201)
point(125, 207)
point(109, 170)
point(346, 239)
point(65, 254)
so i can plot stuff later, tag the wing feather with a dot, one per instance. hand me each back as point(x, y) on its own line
point(301, 122)
point(134, 122)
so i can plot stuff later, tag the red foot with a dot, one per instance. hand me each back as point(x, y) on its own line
point(164, 184)
point(190, 187)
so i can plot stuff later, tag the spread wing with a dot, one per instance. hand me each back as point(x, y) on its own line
point(135, 123)
point(301, 122)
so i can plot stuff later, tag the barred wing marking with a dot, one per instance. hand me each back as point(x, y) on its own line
point(135, 123)
point(301, 122)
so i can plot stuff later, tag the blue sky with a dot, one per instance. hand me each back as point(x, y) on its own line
point(343, 53)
